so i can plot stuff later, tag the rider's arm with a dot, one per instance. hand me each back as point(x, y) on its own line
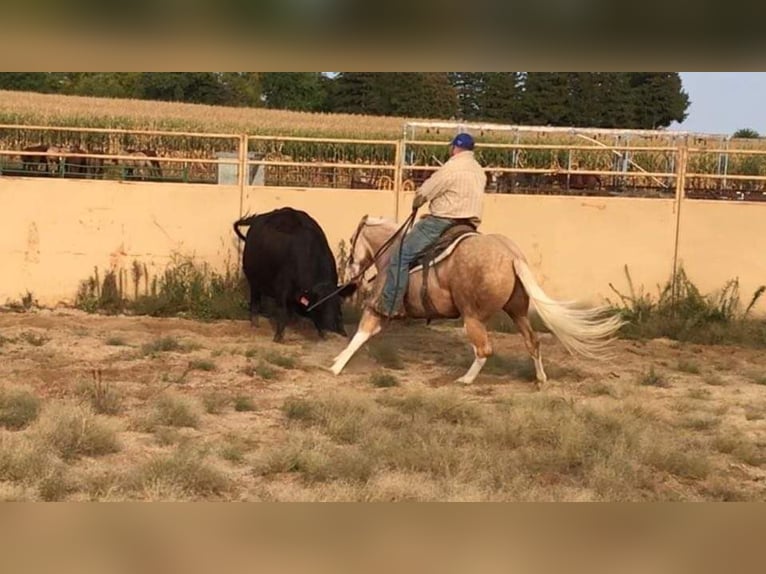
point(434, 186)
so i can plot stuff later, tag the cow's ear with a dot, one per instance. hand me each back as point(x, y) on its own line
point(349, 290)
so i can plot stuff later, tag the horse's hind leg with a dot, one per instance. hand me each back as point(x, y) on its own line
point(369, 326)
point(517, 309)
point(482, 348)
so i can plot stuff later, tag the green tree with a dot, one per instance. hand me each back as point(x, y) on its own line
point(499, 97)
point(244, 88)
point(746, 133)
point(28, 81)
point(613, 100)
point(545, 99)
point(355, 93)
point(105, 84)
point(416, 94)
point(194, 87)
point(468, 87)
point(409, 94)
point(301, 91)
point(658, 99)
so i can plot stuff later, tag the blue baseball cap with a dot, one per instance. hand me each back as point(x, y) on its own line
point(464, 141)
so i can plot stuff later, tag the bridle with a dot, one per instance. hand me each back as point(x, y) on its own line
point(355, 238)
point(355, 279)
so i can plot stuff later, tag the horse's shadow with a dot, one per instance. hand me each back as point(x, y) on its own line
point(410, 345)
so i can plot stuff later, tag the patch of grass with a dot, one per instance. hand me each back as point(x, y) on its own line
point(445, 406)
point(722, 491)
point(103, 397)
point(215, 402)
point(688, 366)
point(652, 378)
point(23, 304)
point(185, 469)
point(56, 485)
point(251, 352)
point(603, 389)
point(300, 409)
point(699, 393)
point(175, 411)
point(758, 378)
point(233, 453)
point(34, 339)
point(23, 460)
point(185, 288)
point(167, 436)
point(234, 449)
point(317, 461)
point(385, 354)
point(383, 380)
point(202, 365)
point(101, 484)
point(681, 312)
point(284, 361)
point(115, 341)
point(19, 407)
point(244, 403)
point(73, 431)
point(265, 372)
point(700, 422)
point(714, 380)
point(735, 443)
point(755, 412)
point(501, 449)
point(679, 461)
point(164, 345)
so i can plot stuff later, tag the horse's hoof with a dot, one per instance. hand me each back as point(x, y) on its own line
point(464, 381)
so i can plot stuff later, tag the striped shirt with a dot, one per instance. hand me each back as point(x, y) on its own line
point(456, 189)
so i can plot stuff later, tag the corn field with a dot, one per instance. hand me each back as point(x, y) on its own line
point(73, 136)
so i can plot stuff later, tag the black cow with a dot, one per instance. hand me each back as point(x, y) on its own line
point(287, 258)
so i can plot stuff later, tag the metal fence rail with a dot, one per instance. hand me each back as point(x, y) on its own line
point(517, 159)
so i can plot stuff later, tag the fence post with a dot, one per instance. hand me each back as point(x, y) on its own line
point(242, 173)
point(681, 168)
point(398, 174)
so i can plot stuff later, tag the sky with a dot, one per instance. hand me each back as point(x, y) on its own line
point(723, 102)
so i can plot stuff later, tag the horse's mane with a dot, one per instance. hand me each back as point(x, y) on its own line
point(374, 221)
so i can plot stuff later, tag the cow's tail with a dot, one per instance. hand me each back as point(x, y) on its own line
point(243, 222)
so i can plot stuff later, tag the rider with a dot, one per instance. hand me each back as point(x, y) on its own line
point(456, 193)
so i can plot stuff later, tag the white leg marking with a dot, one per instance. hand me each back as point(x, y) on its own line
point(539, 371)
point(473, 370)
point(345, 356)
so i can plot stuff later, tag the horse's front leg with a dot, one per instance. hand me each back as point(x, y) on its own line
point(369, 326)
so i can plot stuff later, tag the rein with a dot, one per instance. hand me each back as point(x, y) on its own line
point(405, 226)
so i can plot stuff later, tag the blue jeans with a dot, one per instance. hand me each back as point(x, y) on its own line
point(423, 234)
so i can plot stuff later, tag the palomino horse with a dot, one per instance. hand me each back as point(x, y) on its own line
point(483, 275)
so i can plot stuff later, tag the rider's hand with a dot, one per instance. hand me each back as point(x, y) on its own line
point(418, 201)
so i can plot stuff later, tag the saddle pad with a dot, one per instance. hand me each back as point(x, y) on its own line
point(444, 254)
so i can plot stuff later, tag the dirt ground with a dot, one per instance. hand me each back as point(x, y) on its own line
point(58, 353)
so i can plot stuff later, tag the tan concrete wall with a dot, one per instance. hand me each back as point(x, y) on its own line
point(54, 232)
point(721, 241)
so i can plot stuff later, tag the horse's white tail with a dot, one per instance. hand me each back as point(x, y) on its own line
point(583, 331)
